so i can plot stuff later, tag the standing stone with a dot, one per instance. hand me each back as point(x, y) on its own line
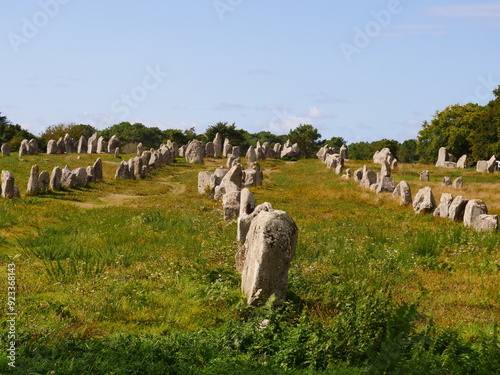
point(113, 144)
point(251, 155)
point(43, 181)
point(6, 149)
point(492, 164)
point(52, 147)
point(92, 144)
point(236, 151)
point(462, 162)
point(90, 174)
point(232, 160)
point(444, 205)
point(117, 152)
point(101, 145)
point(385, 185)
point(138, 170)
point(82, 145)
point(33, 180)
point(473, 209)
point(486, 223)
point(174, 147)
point(424, 202)
point(403, 191)
point(394, 164)
point(23, 148)
point(358, 174)
point(98, 170)
point(269, 249)
point(68, 179)
point(383, 155)
point(232, 180)
point(458, 183)
point(7, 185)
point(482, 166)
point(369, 178)
point(204, 182)
point(140, 149)
point(442, 157)
point(33, 147)
point(424, 176)
point(227, 148)
point(195, 152)
point(253, 176)
point(146, 156)
point(217, 146)
point(344, 153)
point(68, 143)
point(55, 182)
point(446, 181)
point(209, 150)
point(339, 169)
point(231, 204)
point(385, 170)
point(277, 150)
point(80, 176)
point(457, 208)
point(123, 171)
point(61, 147)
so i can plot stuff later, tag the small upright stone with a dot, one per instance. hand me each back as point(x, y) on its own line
point(101, 145)
point(473, 209)
point(55, 182)
point(123, 171)
point(92, 144)
point(52, 147)
point(24, 148)
point(82, 145)
point(43, 181)
point(385, 170)
point(195, 152)
point(113, 144)
point(7, 185)
point(98, 170)
point(68, 179)
point(446, 181)
point(492, 164)
point(385, 185)
point(140, 149)
point(403, 191)
point(424, 176)
point(33, 180)
point(458, 183)
point(209, 150)
point(217, 146)
point(6, 149)
point(457, 208)
point(251, 155)
point(462, 162)
point(424, 201)
point(444, 205)
point(344, 152)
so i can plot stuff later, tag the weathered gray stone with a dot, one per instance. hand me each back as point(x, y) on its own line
point(98, 170)
point(226, 148)
point(117, 152)
point(195, 152)
point(253, 176)
point(385, 171)
point(269, 249)
point(138, 170)
point(80, 176)
point(424, 176)
point(446, 181)
point(449, 164)
point(473, 209)
point(344, 152)
point(140, 149)
point(204, 183)
point(68, 144)
point(61, 146)
point(113, 144)
point(232, 160)
point(101, 145)
point(236, 152)
point(123, 171)
point(385, 185)
point(277, 150)
point(55, 182)
point(442, 157)
point(443, 208)
point(146, 156)
point(482, 166)
point(33, 147)
point(6, 149)
point(457, 208)
point(82, 145)
point(92, 144)
point(424, 201)
point(24, 148)
point(394, 164)
point(339, 169)
point(52, 147)
point(332, 160)
point(231, 204)
point(458, 183)
point(232, 181)
point(43, 181)
point(217, 146)
point(492, 164)
point(369, 178)
point(182, 150)
point(68, 178)
point(358, 174)
point(462, 162)
point(33, 180)
point(383, 155)
point(209, 149)
point(251, 155)
point(486, 223)
point(291, 152)
point(7, 185)
point(90, 174)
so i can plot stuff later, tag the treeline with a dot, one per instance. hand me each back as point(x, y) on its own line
point(463, 129)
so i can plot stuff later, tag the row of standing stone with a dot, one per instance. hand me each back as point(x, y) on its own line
point(196, 151)
point(473, 213)
point(445, 160)
point(267, 237)
point(42, 182)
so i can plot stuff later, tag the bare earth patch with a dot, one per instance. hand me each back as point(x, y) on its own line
point(108, 200)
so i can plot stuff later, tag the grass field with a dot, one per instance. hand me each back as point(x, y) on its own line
point(138, 277)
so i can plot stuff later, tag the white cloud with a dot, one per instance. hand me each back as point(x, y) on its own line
point(489, 10)
point(316, 112)
point(285, 124)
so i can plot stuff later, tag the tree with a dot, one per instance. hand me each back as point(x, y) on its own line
point(13, 134)
point(335, 142)
point(135, 133)
point(407, 152)
point(451, 128)
point(391, 144)
point(237, 137)
point(361, 151)
point(486, 136)
point(75, 131)
point(308, 139)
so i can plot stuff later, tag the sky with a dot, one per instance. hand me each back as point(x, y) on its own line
point(361, 70)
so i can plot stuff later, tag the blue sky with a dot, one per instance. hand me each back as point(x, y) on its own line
point(362, 70)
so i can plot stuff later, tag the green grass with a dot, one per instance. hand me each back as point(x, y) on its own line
point(136, 277)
